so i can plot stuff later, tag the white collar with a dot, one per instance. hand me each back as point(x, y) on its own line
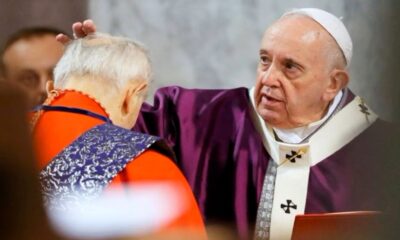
point(329, 138)
point(296, 135)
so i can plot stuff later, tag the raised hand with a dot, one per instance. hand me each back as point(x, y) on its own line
point(80, 30)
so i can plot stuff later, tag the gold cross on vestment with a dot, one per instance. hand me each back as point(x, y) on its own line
point(295, 155)
point(364, 109)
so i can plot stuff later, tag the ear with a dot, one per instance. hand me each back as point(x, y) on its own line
point(49, 87)
point(134, 94)
point(337, 81)
point(141, 88)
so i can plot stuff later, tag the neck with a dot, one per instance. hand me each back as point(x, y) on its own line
point(296, 135)
point(319, 115)
point(98, 89)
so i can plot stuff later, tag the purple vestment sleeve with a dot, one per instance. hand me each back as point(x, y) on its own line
point(222, 155)
point(217, 148)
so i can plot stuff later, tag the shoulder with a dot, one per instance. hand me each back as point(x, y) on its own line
point(382, 129)
point(125, 141)
point(378, 140)
point(154, 166)
point(119, 134)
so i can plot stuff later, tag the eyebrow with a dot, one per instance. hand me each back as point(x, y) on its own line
point(26, 70)
point(293, 61)
point(286, 59)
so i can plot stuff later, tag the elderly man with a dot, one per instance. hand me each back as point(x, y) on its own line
point(298, 142)
point(28, 59)
point(100, 83)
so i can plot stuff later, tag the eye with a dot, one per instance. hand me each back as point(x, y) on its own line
point(264, 60)
point(290, 65)
point(292, 69)
point(29, 79)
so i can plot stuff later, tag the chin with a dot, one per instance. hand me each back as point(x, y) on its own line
point(270, 118)
point(273, 122)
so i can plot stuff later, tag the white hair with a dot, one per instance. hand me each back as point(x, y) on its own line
point(114, 59)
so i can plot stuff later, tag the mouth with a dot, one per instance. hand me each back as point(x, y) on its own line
point(270, 98)
point(270, 102)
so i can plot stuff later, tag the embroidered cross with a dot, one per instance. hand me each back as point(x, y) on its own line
point(364, 109)
point(289, 205)
point(292, 157)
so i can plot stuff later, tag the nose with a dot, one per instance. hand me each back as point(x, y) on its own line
point(271, 77)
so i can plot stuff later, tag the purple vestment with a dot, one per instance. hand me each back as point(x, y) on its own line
point(222, 155)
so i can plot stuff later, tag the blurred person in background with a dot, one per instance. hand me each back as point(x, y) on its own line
point(28, 59)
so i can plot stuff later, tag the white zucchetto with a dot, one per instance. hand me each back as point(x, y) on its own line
point(333, 25)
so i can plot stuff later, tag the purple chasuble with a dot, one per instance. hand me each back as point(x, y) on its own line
point(223, 157)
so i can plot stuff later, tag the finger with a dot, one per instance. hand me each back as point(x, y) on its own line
point(78, 31)
point(62, 38)
point(89, 26)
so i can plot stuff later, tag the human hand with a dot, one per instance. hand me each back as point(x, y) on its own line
point(80, 30)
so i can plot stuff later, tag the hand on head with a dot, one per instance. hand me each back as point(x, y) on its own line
point(80, 30)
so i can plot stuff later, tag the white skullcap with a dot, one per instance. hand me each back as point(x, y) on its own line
point(332, 25)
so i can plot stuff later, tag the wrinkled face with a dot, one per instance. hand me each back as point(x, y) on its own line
point(292, 74)
point(30, 62)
